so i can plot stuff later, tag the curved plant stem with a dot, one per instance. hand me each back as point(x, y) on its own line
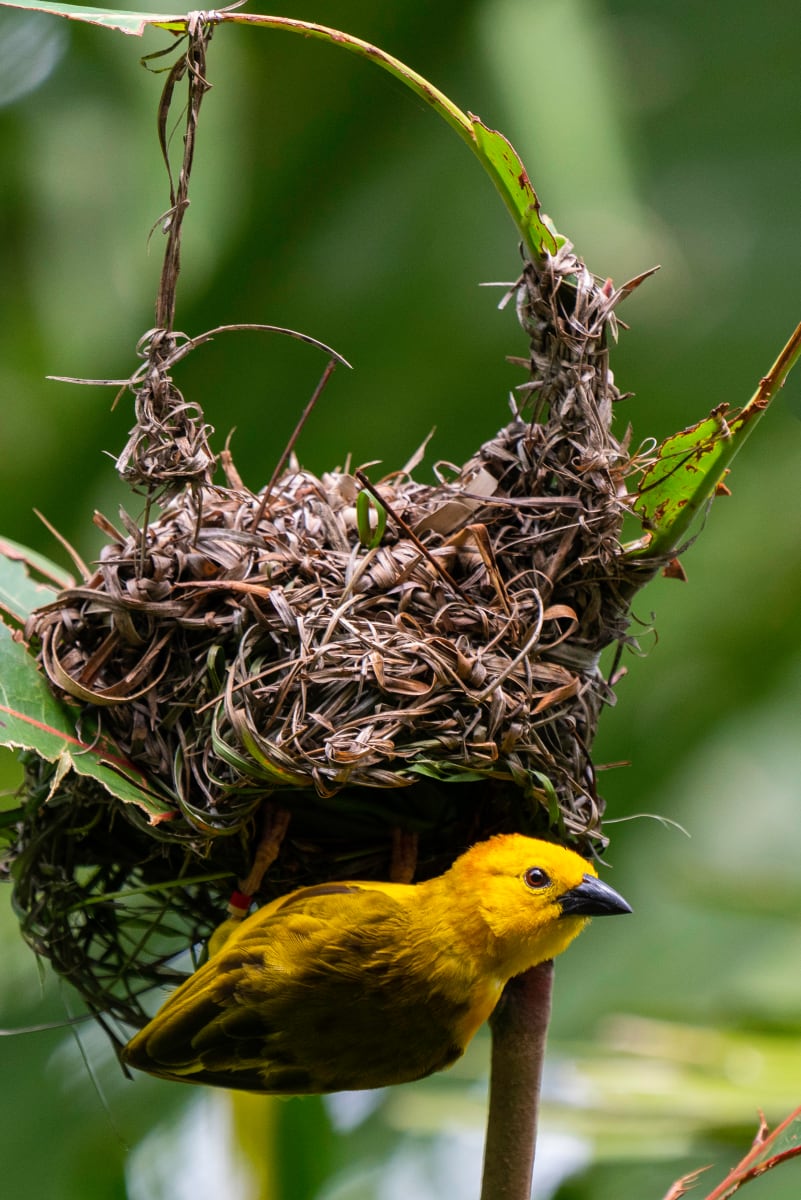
point(495, 153)
point(519, 1028)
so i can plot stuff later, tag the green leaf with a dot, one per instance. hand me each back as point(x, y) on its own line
point(369, 537)
point(690, 464)
point(551, 799)
point(503, 164)
point(20, 591)
point(49, 570)
point(133, 23)
point(687, 469)
point(32, 719)
point(446, 772)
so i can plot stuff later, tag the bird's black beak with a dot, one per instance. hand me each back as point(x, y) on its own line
point(592, 898)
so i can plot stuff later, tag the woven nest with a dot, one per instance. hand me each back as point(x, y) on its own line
point(435, 673)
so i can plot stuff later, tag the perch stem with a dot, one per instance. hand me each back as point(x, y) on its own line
point(519, 1029)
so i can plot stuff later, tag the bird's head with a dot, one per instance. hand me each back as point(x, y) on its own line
point(534, 897)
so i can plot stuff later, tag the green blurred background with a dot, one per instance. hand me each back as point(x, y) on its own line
point(326, 198)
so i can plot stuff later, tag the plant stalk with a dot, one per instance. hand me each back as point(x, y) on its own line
point(519, 1028)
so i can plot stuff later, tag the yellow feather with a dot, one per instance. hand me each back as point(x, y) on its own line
point(361, 985)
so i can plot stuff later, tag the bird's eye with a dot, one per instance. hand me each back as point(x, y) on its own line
point(535, 877)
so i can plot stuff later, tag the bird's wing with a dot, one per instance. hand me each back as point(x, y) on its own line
point(272, 1010)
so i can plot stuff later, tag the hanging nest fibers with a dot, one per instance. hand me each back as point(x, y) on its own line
point(349, 660)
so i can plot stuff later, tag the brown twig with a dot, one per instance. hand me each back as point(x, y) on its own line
point(296, 432)
point(275, 825)
point(405, 845)
point(193, 63)
point(168, 447)
point(411, 535)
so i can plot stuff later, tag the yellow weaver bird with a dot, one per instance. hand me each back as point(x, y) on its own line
point(360, 985)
